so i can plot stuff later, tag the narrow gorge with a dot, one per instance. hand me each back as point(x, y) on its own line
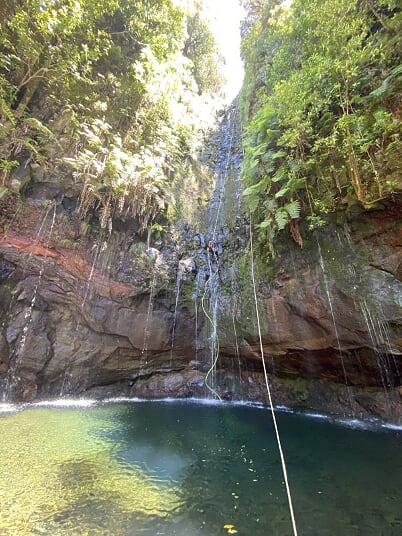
point(119, 317)
point(100, 298)
point(200, 267)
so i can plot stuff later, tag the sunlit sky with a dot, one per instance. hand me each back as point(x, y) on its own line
point(225, 16)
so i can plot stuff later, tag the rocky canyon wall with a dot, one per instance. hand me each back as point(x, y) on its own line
point(110, 316)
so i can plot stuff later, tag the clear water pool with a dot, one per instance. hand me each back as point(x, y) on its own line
point(187, 469)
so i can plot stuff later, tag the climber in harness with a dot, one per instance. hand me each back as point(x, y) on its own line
point(212, 249)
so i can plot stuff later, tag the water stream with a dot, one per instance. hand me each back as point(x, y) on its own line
point(93, 267)
point(224, 205)
point(144, 351)
point(331, 308)
point(12, 378)
point(179, 277)
point(366, 293)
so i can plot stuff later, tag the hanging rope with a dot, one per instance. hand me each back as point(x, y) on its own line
point(285, 474)
point(216, 356)
point(215, 274)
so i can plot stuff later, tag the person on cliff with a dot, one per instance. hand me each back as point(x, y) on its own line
point(211, 248)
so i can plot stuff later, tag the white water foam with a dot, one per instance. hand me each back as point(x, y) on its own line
point(316, 416)
point(8, 408)
point(66, 403)
point(353, 423)
point(390, 426)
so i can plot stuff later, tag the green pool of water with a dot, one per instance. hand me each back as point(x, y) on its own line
point(155, 468)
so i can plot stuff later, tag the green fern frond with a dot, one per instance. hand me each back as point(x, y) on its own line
point(7, 112)
point(293, 209)
point(264, 224)
point(283, 191)
point(271, 205)
point(40, 127)
point(281, 218)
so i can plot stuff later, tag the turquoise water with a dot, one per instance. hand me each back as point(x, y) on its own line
point(186, 469)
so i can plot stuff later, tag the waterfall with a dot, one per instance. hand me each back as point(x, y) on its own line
point(331, 309)
point(179, 277)
point(224, 209)
point(93, 266)
point(12, 379)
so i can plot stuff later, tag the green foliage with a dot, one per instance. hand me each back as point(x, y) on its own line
point(321, 105)
point(116, 181)
point(200, 48)
point(4, 192)
point(105, 91)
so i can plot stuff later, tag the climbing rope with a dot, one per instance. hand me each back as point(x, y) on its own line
point(284, 471)
point(216, 356)
point(215, 274)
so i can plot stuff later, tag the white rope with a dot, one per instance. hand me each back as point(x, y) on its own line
point(285, 474)
point(215, 357)
point(222, 180)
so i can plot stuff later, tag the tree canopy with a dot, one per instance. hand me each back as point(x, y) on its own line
point(104, 90)
point(321, 106)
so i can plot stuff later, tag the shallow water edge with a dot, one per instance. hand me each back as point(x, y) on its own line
point(371, 424)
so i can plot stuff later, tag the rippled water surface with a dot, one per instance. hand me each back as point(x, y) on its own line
point(190, 469)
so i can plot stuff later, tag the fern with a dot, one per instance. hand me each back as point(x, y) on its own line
point(386, 87)
point(281, 174)
point(40, 127)
point(293, 209)
point(31, 145)
point(283, 191)
point(8, 165)
point(281, 218)
point(7, 112)
point(271, 205)
point(264, 224)
point(259, 150)
point(252, 190)
point(253, 203)
point(4, 191)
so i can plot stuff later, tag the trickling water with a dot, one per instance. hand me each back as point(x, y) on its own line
point(234, 312)
point(329, 298)
point(93, 266)
point(28, 314)
point(66, 385)
point(384, 330)
point(216, 212)
point(379, 335)
point(148, 321)
point(371, 311)
point(219, 202)
point(179, 277)
point(198, 298)
point(195, 298)
point(213, 291)
point(109, 257)
point(12, 376)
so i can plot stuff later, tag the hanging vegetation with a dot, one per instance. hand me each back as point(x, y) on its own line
point(105, 91)
point(322, 107)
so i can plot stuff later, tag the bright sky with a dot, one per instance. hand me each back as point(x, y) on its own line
point(225, 16)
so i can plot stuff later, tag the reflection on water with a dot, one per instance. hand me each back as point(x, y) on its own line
point(188, 470)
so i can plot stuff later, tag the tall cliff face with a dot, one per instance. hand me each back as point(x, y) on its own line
point(332, 317)
point(75, 319)
point(110, 318)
